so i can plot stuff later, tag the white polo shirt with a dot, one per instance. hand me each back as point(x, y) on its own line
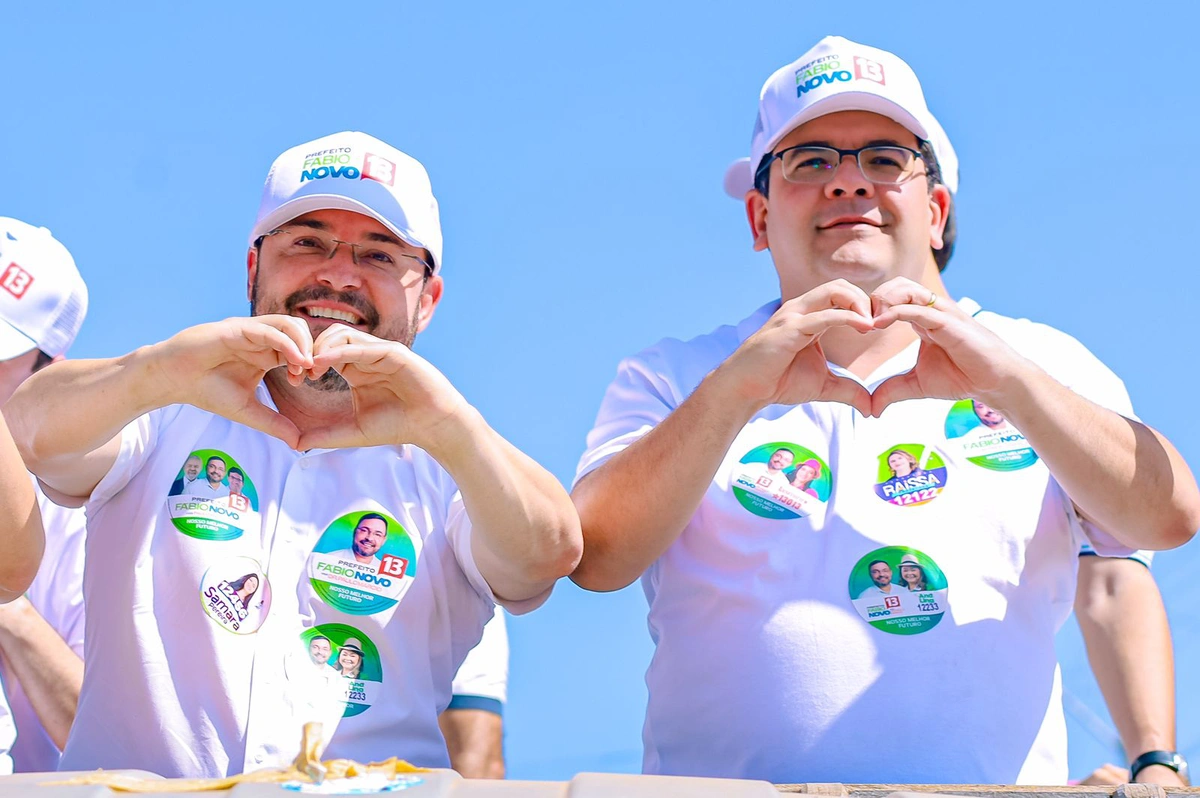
point(181, 681)
point(57, 595)
point(770, 661)
point(482, 681)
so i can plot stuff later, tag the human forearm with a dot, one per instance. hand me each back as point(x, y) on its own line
point(525, 532)
point(1124, 625)
point(67, 414)
point(50, 673)
point(1122, 475)
point(633, 507)
point(475, 741)
point(21, 537)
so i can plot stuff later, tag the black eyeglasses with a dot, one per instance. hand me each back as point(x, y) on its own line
point(886, 165)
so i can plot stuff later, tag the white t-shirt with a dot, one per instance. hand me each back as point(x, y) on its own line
point(57, 594)
point(482, 681)
point(202, 487)
point(201, 614)
point(767, 663)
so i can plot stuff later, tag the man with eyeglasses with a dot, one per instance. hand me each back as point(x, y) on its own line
point(768, 664)
point(318, 399)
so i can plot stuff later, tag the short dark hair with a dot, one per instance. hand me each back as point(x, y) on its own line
point(368, 517)
point(42, 361)
point(238, 471)
point(872, 563)
point(215, 457)
point(933, 171)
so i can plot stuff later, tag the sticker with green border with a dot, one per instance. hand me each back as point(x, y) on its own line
point(899, 590)
point(986, 438)
point(212, 497)
point(909, 475)
point(363, 563)
point(342, 659)
point(782, 480)
point(236, 595)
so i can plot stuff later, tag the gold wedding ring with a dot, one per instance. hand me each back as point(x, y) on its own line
point(932, 299)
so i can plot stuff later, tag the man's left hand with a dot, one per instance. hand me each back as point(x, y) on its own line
point(959, 357)
point(398, 396)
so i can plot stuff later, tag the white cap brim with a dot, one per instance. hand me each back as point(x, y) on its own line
point(323, 202)
point(739, 177)
point(13, 342)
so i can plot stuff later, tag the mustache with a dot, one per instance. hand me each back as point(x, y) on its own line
point(350, 298)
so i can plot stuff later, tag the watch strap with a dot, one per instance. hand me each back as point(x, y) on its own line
point(1169, 759)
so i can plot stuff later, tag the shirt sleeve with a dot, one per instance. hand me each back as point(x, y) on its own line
point(641, 396)
point(484, 673)
point(1142, 556)
point(459, 532)
point(138, 439)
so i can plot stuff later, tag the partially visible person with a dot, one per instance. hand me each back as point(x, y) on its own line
point(912, 574)
point(237, 481)
point(473, 724)
point(803, 477)
point(349, 659)
point(775, 466)
point(988, 416)
point(213, 485)
point(43, 301)
point(881, 577)
point(368, 537)
point(191, 471)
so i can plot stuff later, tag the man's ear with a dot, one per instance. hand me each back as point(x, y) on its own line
point(251, 271)
point(431, 295)
point(756, 215)
point(939, 211)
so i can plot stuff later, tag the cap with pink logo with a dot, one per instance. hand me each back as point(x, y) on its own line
point(354, 172)
point(43, 298)
point(840, 75)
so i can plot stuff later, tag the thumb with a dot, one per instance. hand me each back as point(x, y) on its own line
point(262, 418)
point(895, 389)
point(847, 391)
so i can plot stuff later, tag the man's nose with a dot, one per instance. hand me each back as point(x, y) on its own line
point(848, 180)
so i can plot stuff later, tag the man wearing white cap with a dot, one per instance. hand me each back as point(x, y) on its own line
point(43, 300)
point(768, 664)
point(320, 403)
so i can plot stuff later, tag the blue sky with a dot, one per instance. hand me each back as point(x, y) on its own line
point(577, 152)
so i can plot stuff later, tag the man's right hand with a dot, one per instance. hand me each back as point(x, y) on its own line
point(217, 367)
point(783, 362)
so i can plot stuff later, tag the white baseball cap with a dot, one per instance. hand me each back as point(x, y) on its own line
point(839, 75)
point(354, 172)
point(43, 299)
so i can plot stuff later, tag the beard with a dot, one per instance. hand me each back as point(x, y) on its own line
point(404, 333)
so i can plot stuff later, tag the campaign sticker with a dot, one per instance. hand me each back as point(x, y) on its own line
point(212, 498)
point(899, 590)
point(986, 437)
point(236, 594)
point(339, 660)
point(781, 480)
point(363, 563)
point(910, 474)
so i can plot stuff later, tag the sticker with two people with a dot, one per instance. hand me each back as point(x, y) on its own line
point(781, 480)
point(987, 438)
point(236, 594)
point(212, 498)
point(910, 474)
point(899, 590)
point(339, 661)
point(363, 563)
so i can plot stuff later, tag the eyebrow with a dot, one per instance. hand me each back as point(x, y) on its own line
point(872, 143)
point(382, 238)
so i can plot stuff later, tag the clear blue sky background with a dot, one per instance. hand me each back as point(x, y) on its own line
point(577, 151)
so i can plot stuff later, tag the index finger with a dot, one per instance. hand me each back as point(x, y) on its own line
point(838, 293)
point(286, 335)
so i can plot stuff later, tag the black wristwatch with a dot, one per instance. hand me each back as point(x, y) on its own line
point(1171, 759)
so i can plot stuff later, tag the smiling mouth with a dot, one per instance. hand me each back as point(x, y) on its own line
point(332, 315)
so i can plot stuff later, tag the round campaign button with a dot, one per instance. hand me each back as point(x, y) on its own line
point(340, 659)
point(910, 474)
point(781, 480)
point(986, 437)
point(212, 497)
point(236, 594)
point(363, 563)
point(899, 590)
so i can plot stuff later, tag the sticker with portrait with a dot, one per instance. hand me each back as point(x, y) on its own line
point(781, 480)
point(338, 660)
point(363, 563)
point(236, 594)
point(212, 497)
point(987, 438)
point(910, 474)
point(899, 590)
